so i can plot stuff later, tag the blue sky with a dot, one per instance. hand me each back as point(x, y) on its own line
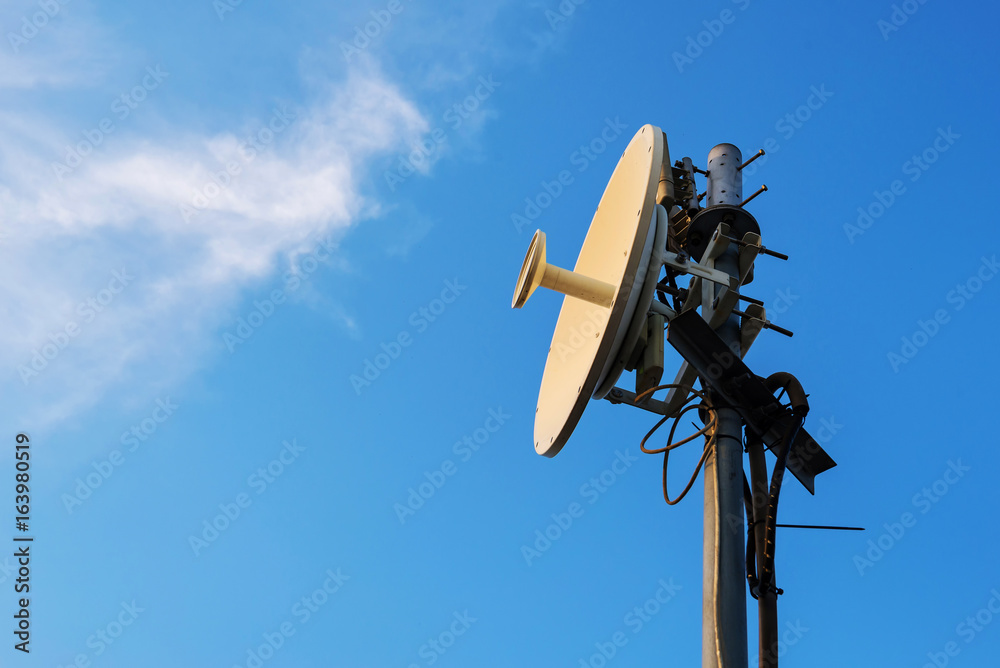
point(214, 215)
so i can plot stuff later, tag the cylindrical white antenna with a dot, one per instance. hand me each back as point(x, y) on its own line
point(725, 182)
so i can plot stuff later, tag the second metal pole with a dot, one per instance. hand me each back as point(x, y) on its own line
point(724, 614)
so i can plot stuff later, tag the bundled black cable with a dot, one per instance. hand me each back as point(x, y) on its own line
point(676, 417)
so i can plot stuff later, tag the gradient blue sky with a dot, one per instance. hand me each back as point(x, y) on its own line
point(339, 260)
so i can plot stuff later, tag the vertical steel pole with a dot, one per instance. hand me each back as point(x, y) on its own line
point(724, 613)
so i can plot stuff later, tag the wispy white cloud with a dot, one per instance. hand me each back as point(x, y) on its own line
point(154, 207)
point(198, 218)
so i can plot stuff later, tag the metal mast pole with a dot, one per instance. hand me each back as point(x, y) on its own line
point(724, 618)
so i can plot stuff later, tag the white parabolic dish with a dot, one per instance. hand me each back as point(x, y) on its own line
point(616, 251)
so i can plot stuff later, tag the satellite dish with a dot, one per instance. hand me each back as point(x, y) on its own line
point(650, 217)
point(604, 290)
